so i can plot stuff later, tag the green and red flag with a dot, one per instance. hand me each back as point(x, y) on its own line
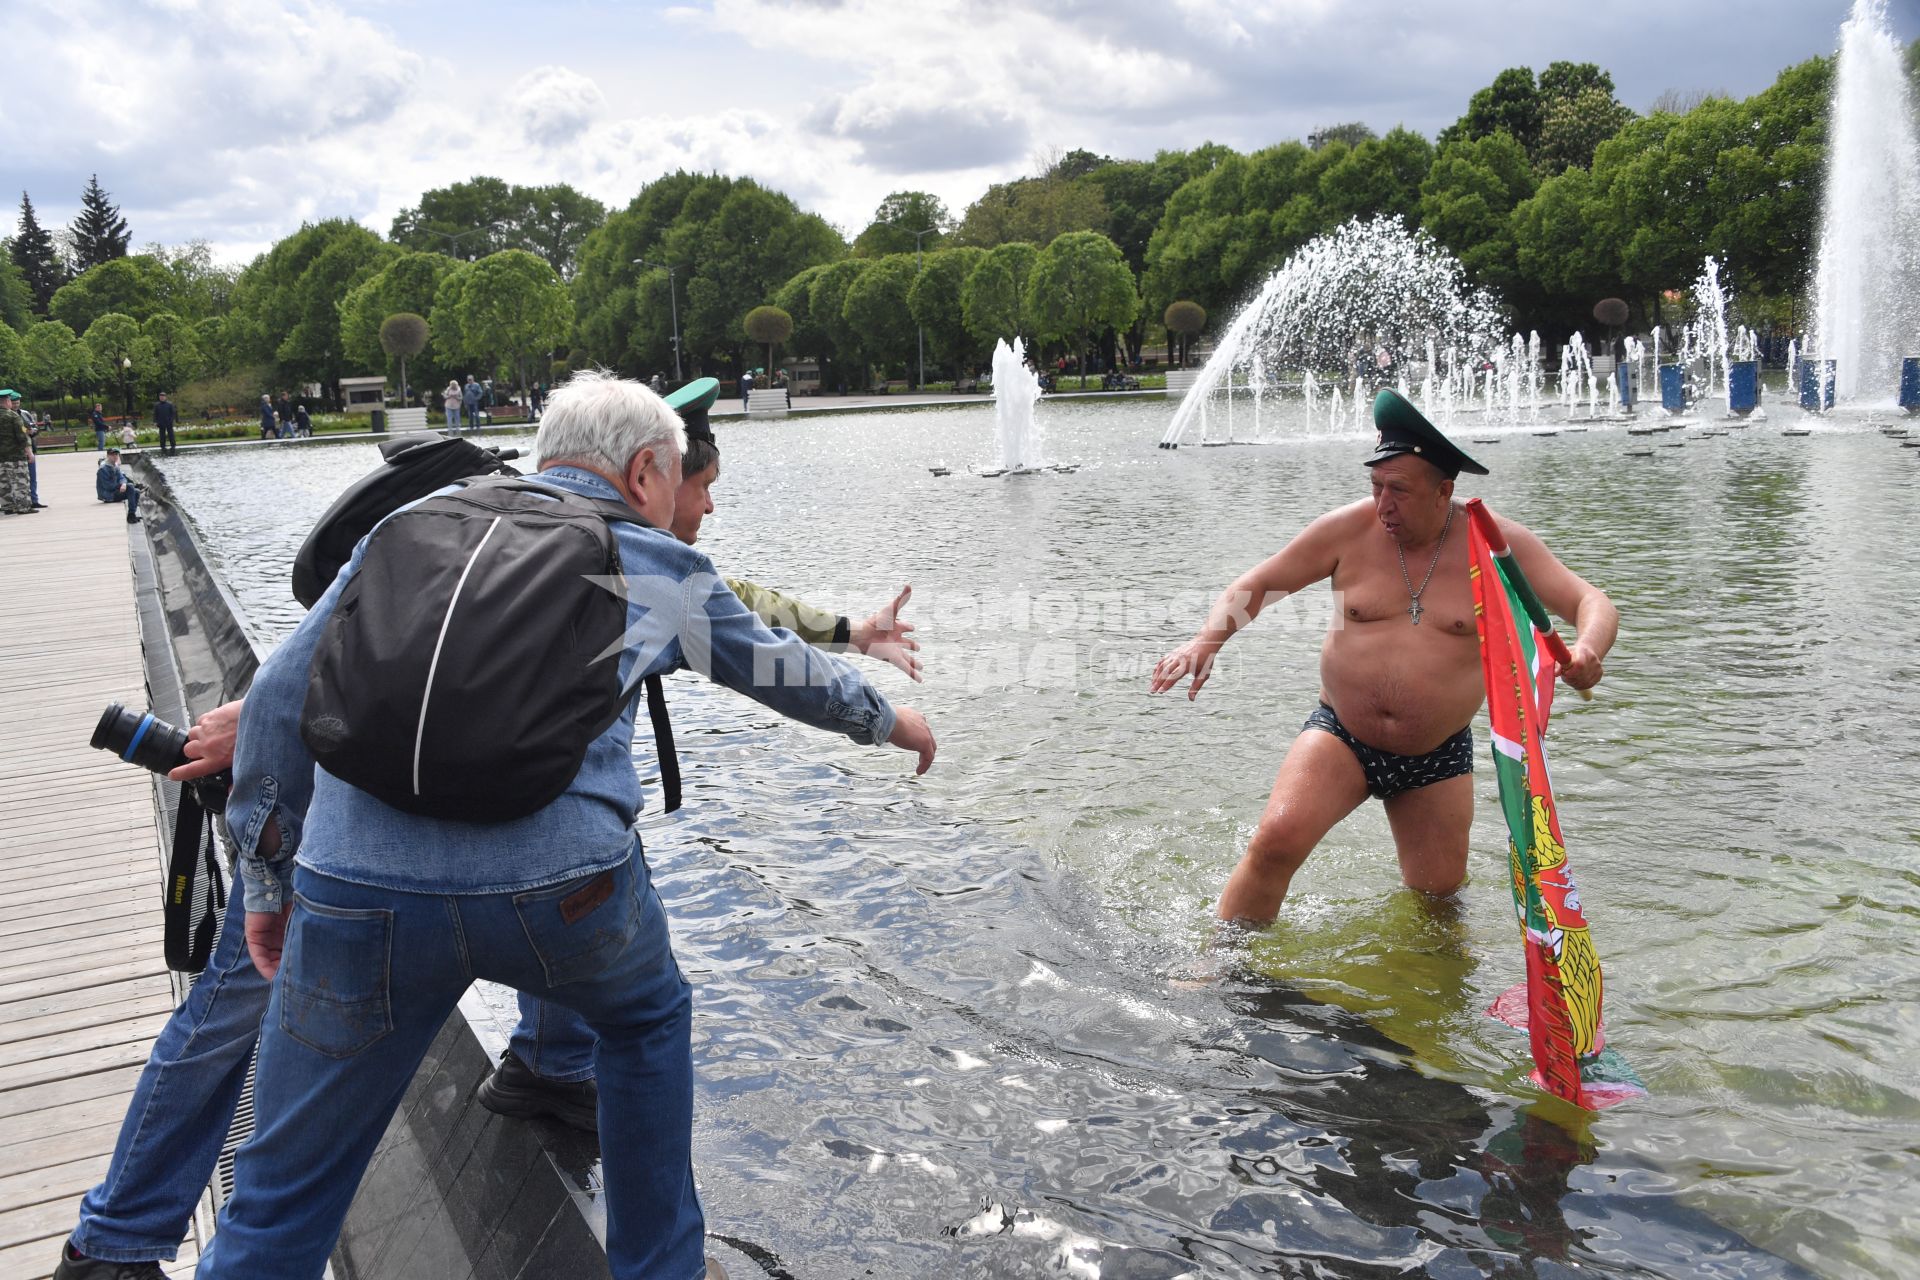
point(1558, 1005)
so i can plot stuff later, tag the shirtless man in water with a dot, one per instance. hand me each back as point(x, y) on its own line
point(1399, 672)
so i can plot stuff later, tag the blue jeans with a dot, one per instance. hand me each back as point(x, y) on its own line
point(99, 439)
point(181, 1110)
point(453, 419)
point(33, 481)
point(368, 976)
point(183, 1103)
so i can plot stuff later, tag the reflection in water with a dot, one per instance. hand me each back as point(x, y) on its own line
point(937, 1032)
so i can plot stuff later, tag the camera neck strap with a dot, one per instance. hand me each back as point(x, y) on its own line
point(189, 939)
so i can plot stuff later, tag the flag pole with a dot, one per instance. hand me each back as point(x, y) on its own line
point(1536, 612)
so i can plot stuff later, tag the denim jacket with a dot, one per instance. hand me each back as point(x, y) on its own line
point(679, 613)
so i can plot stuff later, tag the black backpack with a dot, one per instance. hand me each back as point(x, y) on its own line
point(461, 674)
point(416, 465)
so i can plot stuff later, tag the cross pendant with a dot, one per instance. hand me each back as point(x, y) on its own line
point(1415, 609)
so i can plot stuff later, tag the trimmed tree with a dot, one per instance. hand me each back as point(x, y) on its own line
point(403, 334)
point(993, 299)
point(771, 326)
point(1081, 286)
point(1184, 319)
point(513, 304)
point(111, 339)
point(167, 353)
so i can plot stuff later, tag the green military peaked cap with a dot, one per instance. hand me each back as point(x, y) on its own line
point(692, 402)
point(9, 394)
point(1404, 429)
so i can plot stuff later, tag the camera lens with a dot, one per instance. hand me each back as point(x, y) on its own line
point(140, 738)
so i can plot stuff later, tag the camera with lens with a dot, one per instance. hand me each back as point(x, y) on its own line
point(142, 738)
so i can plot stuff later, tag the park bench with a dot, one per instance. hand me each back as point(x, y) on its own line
point(55, 439)
point(966, 385)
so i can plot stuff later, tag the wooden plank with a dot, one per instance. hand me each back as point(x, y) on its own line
point(158, 1001)
point(57, 1093)
point(70, 1117)
point(107, 973)
point(64, 1183)
point(51, 1150)
point(137, 1030)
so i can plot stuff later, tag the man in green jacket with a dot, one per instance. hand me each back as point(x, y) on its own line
point(16, 453)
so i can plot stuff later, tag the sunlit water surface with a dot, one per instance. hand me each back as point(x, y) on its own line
point(950, 1027)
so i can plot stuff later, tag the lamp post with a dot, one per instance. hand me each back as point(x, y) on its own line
point(920, 331)
point(673, 304)
point(126, 382)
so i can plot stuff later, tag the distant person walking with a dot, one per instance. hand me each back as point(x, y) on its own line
point(470, 399)
point(283, 409)
point(746, 389)
point(111, 484)
point(99, 421)
point(16, 457)
point(450, 401)
point(302, 423)
point(268, 431)
point(163, 418)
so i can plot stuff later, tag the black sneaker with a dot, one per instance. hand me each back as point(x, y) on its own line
point(514, 1090)
point(75, 1266)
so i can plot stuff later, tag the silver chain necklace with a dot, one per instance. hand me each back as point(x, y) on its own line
point(1414, 606)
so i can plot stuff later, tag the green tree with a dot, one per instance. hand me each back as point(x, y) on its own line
point(1560, 244)
point(1467, 203)
point(110, 340)
point(481, 216)
point(1183, 320)
point(32, 251)
point(1510, 105)
point(98, 234)
point(1382, 175)
point(12, 354)
point(407, 283)
point(1136, 193)
point(1353, 134)
point(129, 286)
point(1080, 286)
point(1574, 126)
point(771, 326)
point(196, 285)
point(285, 314)
point(895, 221)
point(993, 299)
point(52, 359)
point(210, 336)
point(468, 220)
point(513, 304)
point(16, 297)
point(936, 303)
point(827, 304)
point(167, 353)
point(877, 312)
point(810, 333)
point(403, 334)
point(731, 244)
point(1035, 210)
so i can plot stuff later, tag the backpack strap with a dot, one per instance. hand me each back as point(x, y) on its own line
point(615, 513)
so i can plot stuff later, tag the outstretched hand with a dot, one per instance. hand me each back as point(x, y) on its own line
point(910, 733)
point(884, 635)
point(1194, 658)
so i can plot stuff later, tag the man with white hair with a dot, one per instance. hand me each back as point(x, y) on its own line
point(392, 912)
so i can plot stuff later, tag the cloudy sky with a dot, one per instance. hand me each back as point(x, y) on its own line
point(235, 120)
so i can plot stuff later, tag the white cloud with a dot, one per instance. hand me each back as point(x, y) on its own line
point(234, 120)
point(555, 104)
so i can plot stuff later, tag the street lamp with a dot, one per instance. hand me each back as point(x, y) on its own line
point(126, 382)
point(455, 240)
point(674, 305)
point(920, 332)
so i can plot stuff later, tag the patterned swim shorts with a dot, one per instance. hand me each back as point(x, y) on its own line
point(1388, 774)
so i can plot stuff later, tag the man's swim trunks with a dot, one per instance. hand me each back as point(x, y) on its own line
point(1388, 774)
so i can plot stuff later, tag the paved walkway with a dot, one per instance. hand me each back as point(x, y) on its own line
point(83, 987)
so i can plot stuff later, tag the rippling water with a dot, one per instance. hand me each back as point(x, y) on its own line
point(946, 1027)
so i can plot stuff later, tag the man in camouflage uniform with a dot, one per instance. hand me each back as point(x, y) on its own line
point(16, 452)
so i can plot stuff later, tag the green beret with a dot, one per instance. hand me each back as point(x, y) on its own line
point(1404, 429)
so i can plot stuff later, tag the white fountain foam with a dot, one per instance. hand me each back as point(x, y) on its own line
point(1016, 389)
point(1867, 290)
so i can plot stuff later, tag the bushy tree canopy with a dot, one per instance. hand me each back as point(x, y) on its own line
point(993, 300)
point(895, 221)
point(132, 286)
point(937, 306)
point(481, 216)
point(1079, 287)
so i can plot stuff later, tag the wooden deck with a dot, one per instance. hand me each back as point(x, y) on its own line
point(83, 987)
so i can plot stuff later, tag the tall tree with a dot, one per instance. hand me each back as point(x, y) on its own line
point(993, 301)
point(1510, 105)
point(1079, 287)
point(99, 234)
point(935, 300)
point(16, 299)
point(33, 253)
point(53, 359)
point(481, 216)
point(513, 305)
point(133, 286)
point(167, 353)
point(894, 223)
point(1033, 209)
point(876, 310)
point(1467, 203)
